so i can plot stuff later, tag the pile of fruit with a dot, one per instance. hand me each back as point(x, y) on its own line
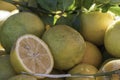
point(56, 37)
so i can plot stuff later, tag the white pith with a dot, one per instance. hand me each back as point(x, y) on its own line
point(42, 43)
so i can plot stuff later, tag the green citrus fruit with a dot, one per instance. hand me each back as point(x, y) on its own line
point(17, 25)
point(111, 40)
point(66, 44)
point(31, 54)
point(6, 69)
point(22, 77)
point(92, 55)
point(83, 69)
point(94, 25)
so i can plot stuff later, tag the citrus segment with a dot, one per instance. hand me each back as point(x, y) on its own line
point(32, 55)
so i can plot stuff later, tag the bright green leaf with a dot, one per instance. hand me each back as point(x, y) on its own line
point(115, 9)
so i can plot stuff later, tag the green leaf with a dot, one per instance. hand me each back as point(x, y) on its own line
point(87, 3)
point(50, 5)
point(102, 1)
point(65, 4)
point(72, 20)
point(105, 7)
point(32, 3)
point(57, 5)
point(113, 2)
point(115, 9)
point(47, 19)
point(78, 3)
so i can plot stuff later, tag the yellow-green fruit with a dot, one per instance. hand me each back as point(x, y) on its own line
point(22, 77)
point(6, 69)
point(112, 39)
point(94, 25)
point(92, 55)
point(7, 6)
point(67, 46)
point(83, 69)
point(17, 25)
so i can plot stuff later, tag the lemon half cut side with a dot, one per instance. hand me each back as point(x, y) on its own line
point(31, 54)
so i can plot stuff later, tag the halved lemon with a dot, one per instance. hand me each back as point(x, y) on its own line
point(31, 54)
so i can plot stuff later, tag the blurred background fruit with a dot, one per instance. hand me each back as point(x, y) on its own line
point(92, 55)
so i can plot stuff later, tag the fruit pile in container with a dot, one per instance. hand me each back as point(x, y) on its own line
point(59, 40)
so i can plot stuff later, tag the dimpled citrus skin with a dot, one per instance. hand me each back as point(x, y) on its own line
point(66, 44)
point(18, 25)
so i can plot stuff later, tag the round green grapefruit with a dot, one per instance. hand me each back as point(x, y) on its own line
point(17, 25)
point(66, 44)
